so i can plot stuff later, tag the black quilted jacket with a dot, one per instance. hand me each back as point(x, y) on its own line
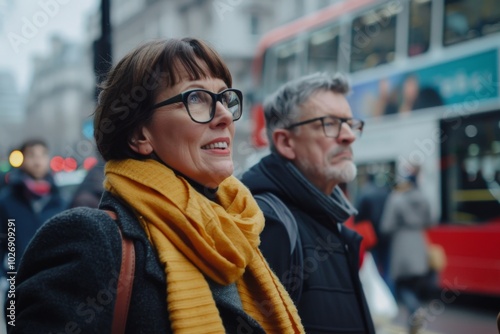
point(332, 299)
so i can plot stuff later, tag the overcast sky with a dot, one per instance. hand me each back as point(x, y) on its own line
point(26, 27)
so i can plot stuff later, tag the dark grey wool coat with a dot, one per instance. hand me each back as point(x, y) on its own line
point(67, 280)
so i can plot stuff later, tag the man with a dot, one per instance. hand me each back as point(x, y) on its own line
point(310, 130)
point(28, 200)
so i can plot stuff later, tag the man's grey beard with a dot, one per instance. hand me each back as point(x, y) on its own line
point(343, 175)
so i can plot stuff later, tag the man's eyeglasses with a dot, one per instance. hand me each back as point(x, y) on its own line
point(200, 103)
point(333, 125)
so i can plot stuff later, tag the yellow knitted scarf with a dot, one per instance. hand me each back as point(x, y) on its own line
point(195, 237)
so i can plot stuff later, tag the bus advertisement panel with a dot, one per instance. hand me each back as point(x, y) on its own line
point(464, 80)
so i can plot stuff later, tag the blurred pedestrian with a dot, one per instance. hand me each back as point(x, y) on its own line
point(370, 205)
point(498, 322)
point(3, 179)
point(168, 180)
point(406, 217)
point(30, 197)
point(311, 128)
point(89, 192)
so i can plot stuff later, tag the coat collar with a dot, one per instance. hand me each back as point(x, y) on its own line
point(292, 186)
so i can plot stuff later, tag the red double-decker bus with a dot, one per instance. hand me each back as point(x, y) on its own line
point(425, 78)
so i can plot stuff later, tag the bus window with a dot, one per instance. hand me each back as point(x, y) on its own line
point(472, 168)
point(468, 19)
point(489, 17)
point(323, 50)
point(287, 62)
point(381, 174)
point(420, 27)
point(373, 38)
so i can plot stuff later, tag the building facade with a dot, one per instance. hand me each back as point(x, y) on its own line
point(60, 99)
point(11, 113)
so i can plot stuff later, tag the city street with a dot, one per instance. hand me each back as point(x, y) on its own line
point(468, 315)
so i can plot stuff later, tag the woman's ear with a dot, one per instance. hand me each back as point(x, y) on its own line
point(140, 143)
point(284, 143)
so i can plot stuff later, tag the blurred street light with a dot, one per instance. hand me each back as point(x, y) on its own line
point(16, 158)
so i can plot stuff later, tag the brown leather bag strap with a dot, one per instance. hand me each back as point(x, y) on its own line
point(125, 282)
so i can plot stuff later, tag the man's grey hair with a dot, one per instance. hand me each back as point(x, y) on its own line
point(283, 107)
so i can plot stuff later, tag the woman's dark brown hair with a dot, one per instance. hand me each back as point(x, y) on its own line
point(132, 86)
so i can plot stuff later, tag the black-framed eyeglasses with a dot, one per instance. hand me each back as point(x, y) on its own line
point(200, 103)
point(333, 125)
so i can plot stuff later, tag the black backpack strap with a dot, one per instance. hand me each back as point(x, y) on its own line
point(293, 283)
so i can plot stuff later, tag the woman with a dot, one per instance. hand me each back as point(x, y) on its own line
point(165, 125)
point(406, 216)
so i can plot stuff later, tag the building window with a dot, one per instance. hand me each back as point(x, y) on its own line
point(254, 24)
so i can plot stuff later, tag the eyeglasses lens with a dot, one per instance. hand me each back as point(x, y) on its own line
point(333, 126)
point(200, 105)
